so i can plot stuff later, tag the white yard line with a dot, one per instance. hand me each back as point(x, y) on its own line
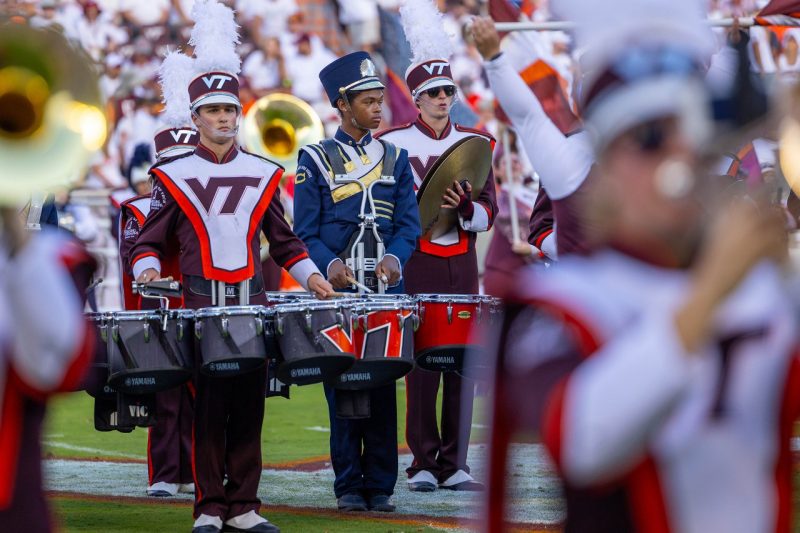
point(98, 451)
point(321, 429)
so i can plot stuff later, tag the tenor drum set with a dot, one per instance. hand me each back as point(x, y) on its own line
point(353, 343)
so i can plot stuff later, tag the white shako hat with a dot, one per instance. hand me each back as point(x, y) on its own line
point(643, 59)
point(217, 64)
point(430, 47)
point(176, 136)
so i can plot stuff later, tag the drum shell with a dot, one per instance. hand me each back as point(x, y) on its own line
point(448, 329)
point(315, 341)
point(94, 382)
point(383, 337)
point(233, 340)
point(143, 357)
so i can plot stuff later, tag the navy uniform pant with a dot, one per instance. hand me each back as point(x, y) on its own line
point(364, 450)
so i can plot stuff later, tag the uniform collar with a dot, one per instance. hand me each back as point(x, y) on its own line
point(427, 130)
point(211, 157)
point(345, 138)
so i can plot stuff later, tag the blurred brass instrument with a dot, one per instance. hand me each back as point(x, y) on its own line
point(278, 125)
point(51, 113)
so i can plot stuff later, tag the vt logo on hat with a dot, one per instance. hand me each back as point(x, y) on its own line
point(175, 141)
point(221, 78)
point(214, 88)
point(428, 75)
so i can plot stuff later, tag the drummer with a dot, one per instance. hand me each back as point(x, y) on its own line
point(202, 201)
point(363, 451)
point(446, 265)
point(169, 442)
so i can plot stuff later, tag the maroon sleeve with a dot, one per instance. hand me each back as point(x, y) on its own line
point(488, 197)
point(284, 246)
point(129, 232)
point(158, 228)
point(541, 222)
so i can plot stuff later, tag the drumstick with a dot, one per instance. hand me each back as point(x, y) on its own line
point(359, 285)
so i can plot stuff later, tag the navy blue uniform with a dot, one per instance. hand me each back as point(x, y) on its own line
point(363, 451)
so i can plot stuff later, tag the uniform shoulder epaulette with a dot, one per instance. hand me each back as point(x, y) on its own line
point(393, 128)
point(167, 160)
point(476, 132)
point(135, 198)
point(268, 160)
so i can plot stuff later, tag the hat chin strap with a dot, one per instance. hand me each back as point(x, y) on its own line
point(214, 131)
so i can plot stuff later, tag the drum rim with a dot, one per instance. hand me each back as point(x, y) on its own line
point(126, 315)
point(232, 310)
point(322, 305)
point(388, 305)
point(456, 298)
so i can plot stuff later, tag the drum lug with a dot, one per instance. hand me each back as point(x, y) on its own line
point(146, 327)
point(478, 313)
point(308, 319)
point(225, 330)
point(364, 321)
point(115, 332)
point(401, 320)
point(340, 319)
point(104, 332)
point(179, 331)
point(198, 330)
point(415, 321)
point(449, 312)
point(279, 324)
point(420, 313)
point(259, 325)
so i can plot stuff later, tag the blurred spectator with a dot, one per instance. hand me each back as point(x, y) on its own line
point(265, 68)
point(303, 70)
point(110, 81)
point(318, 18)
point(96, 33)
point(46, 15)
point(267, 18)
point(144, 13)
point(360, 17)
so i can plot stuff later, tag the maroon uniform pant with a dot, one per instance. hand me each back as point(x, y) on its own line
point(169, 442)
point(441, 453)
point(228, 413)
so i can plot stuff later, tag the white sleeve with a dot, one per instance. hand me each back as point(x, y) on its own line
point(562, 162)
point(618, 396)
point(302, 270)
point(45, 340)
point(144, 263)
point(549, 246)
point(479, 221)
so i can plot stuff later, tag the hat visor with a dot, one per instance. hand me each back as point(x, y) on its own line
point(434, 83)
point(173, 151)
point(216, 99)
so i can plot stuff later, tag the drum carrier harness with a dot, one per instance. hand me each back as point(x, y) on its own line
point(366, 247)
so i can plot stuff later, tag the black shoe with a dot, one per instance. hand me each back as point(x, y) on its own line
point(421, 486)
point(467, 486)
point(263, 527)
point(206, 529)
point(381, 503)
point(351, 502)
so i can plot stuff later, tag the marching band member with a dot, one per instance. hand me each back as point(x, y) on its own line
point(38, 356)
point(169, 442)
point(363, 451)
point(212, 201)
point(446, 265)
point(661, 371)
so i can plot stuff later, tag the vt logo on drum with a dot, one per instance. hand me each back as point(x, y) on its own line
point(234, 187)
point(384, 335)
point(339, 337)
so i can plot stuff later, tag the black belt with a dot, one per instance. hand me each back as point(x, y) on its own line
point(204, 287)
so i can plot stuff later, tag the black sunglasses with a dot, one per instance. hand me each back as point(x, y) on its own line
point(449, 90)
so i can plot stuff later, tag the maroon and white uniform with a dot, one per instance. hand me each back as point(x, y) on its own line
point(169, 442)
point(448, 265)
point(38, 356)
point(647, 436)
point(563, 161)
point(214, 209)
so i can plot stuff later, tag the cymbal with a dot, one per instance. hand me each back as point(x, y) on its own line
point(469, 159)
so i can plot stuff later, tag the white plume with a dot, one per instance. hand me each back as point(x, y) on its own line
point(422, 24)
point(214, 38)
point(174, 75)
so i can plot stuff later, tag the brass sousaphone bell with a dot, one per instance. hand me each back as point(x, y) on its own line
point(467, 160)
point(278, 125)
point(51, 112)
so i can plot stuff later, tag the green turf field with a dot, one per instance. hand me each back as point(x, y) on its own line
point(82, 516)
point(293, 430)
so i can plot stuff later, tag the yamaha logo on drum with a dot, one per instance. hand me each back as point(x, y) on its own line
point(223, 367)
point(440, 360)
point(138, 382)
point(305, 372)
point(356, 376)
